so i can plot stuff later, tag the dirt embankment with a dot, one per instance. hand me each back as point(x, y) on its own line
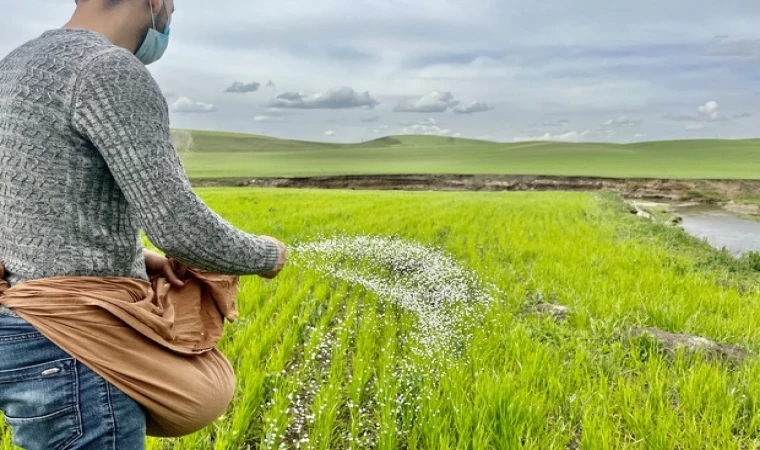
point(631, 188)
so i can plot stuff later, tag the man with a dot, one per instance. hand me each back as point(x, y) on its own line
point(86, 161)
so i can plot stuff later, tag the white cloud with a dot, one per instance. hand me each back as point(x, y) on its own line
point(428, 126)
point(336, 98)
point(570, 136)
point(380, 129)
point(710, 112)
point(639, 136)
point(243, 88)
point(434, 102)
point(267, 119)
point(277, 112)
point(330, 133)
point(472, 108)
point(709, 107)
point(184, 105)
point(622, 121)
point(426, 129)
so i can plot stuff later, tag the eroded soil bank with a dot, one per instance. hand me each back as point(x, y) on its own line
point(679, 190)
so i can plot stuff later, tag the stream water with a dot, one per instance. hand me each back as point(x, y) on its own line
point(720, 228)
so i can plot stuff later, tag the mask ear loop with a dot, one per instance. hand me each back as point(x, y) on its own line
point(152, 16)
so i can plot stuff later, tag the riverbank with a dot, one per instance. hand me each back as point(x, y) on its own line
point(642, 188)
point(730, 227)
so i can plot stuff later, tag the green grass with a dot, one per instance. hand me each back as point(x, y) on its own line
point(224, 155)
point(519, 382)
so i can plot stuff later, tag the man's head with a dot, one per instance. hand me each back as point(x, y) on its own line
point(126, 23)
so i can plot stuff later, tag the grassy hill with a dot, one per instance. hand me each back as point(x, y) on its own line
point(221, 155)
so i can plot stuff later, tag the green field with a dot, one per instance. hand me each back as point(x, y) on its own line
point(222, 155)
point(327, 362)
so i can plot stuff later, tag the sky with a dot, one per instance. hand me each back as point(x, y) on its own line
point(502, 70)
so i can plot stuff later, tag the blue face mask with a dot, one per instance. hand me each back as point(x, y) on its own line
point(155, 43)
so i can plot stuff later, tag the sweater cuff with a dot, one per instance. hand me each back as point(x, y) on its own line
point(271, 256)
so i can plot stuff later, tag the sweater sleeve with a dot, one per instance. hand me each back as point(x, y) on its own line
point(120, 109)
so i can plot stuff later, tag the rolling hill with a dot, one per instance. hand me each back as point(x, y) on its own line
point(229, 155)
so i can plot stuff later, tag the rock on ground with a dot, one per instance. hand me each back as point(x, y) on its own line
point(557, 312)
point(671, 342)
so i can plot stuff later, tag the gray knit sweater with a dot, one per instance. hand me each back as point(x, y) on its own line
point(86, 161)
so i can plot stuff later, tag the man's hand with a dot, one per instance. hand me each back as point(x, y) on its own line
point(156, 264)
point(280, 262)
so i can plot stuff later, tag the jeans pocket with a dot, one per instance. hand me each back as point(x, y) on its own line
point(41, 404)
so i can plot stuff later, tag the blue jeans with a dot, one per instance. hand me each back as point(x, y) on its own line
point(53, 402)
